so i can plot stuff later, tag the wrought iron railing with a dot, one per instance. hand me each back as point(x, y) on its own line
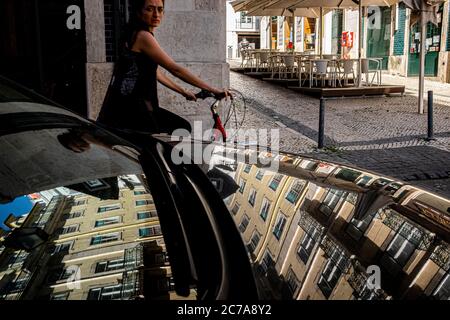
point(134, 257)
point(441, 256)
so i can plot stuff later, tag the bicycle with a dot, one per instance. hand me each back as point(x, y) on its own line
point(219, 126)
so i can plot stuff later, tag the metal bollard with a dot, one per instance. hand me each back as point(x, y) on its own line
point(430, 135)
point(322, 123)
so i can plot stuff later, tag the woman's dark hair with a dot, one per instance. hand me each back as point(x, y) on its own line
point(135, 24)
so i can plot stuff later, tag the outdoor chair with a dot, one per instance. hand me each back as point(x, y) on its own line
point(320, 71)
point(304, 67)
point(247, 58)
point(347, 68)
point(365, 69)
point(287, 66)
point(263, 60)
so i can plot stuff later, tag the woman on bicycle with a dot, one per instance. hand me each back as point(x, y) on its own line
point(132, 98)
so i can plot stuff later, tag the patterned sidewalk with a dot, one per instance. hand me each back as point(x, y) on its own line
point(383, 134)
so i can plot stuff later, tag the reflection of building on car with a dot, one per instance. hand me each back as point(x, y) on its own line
point(101, 249)
point(125, 222)
point(307, 242)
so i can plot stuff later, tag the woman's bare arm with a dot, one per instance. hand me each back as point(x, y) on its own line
point(147, 44)
point(167, 82)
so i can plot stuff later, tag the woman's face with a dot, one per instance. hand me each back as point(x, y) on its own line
point(152, 13)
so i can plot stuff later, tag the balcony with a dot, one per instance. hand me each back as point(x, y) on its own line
point(146, 275)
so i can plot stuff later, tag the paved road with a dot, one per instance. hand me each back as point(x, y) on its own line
point(381, 134)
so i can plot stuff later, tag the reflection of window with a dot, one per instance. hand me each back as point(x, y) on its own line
point(107, 208)
point(292, 281)
point(107, 222)
point(442, 292)
point(17, 258)
point(260, 175)
point(96, 184)
point(267, 261)
point(236, 208)
point(331, 200)
point(265, 209)
point(105, 293)
point(111, 265)
point(63, 274)
point(74, 215)
point(254, 241)
point(242, 185)
point(244, 223)
point(150, 232)
point(247, 168)
point(79, 203)
point(143, 202)
point(70, 229)
point(348, 175)
point(252, 197)
point(401, 248)
point(279, 227)
point(294, 192)
point(332, 272)
point(105, 238)
point(275, 182)
point(357, 228)
point(146, 215)
point(309, 165)
point(308, 243)
point(363, 181)
point(60, 296)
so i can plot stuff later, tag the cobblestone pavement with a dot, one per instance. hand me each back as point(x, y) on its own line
point(383, 134)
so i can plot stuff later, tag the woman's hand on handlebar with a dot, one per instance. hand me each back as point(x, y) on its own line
point(189, 96)
point(222, 94)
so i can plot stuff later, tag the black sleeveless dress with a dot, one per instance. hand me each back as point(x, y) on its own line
point(132, 99)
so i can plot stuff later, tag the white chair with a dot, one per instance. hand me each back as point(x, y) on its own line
point(275, 64)
point(347, 67)
point(247, 58)
point(287, 66)
point(304, 70)
point(365, 69)
point(263, 60)
point(319, 71)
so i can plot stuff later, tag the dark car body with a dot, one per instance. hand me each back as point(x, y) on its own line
point(125, 220)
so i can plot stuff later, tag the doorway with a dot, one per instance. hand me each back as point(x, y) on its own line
point(433, 45)
point(40, 52)
point(379, 39)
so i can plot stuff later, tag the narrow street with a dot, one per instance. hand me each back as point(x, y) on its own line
point(383, 134)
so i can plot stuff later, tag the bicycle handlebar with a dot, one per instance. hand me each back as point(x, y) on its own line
point(204, 94)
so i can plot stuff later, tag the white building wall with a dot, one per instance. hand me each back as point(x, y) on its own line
point(299, 34)
point(327, 32)
point(232, 38)
point(280, 42)
point(351, 23)
point(265, 33)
